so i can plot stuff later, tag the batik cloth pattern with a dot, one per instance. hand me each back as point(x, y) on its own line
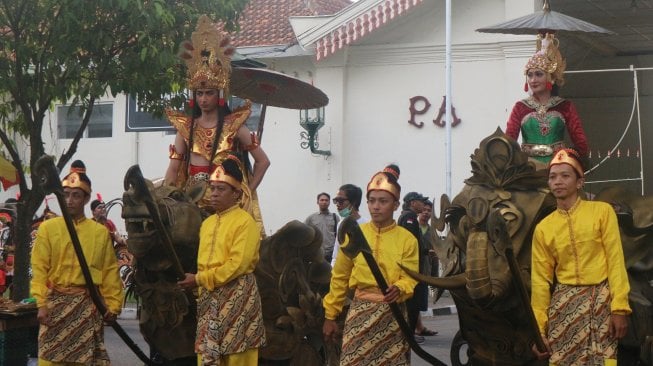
point(230, 320)
point(75, 332)
point(372, 336)
point(579, 324)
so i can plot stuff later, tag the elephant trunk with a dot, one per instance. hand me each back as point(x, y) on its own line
point(479, 285)
point(454, 282)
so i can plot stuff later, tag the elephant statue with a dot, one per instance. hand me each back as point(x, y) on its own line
point(635, 215)
point(167, 317)
point(486, 256)
point(292, 277)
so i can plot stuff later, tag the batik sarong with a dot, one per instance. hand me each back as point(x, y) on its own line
point(579, 323)
point(75, 332)
point(230, 320)
point(372, 336)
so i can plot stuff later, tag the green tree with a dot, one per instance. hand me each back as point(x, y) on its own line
point(75, 51)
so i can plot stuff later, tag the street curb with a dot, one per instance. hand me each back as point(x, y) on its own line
point(128, 314)
point(445, 310)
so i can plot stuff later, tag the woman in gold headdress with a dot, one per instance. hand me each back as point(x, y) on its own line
point(543, 117)
point(204, 141)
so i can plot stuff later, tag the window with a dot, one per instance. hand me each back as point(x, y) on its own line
point(138, 120)
point(100, 125)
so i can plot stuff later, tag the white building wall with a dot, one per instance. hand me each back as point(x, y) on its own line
point(406, 59)
point(369, 86)
point(289, 189)
point(107, 159)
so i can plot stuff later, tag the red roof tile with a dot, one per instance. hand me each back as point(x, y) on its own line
point(265, 22)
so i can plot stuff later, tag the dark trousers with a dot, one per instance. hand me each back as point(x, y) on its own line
point(417, 303)
point(413, 313)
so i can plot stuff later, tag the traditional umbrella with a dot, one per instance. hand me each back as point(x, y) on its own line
point(544, 21)
point(273, 88)
point(8, 174)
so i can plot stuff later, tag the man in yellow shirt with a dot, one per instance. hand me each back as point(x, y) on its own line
point(579, 246)
point(230, 325)
point(371, 335)
point(72, 331)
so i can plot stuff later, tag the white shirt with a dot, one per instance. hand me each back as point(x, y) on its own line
point(336, 245)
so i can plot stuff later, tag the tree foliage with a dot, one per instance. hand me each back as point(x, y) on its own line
point(75, 51)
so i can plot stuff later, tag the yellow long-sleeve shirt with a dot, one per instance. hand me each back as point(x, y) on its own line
point(580, 246)
point(390, 245)
point(54, 262)
point(229, 247)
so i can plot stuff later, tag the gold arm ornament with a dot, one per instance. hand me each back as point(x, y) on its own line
point(174, 155)
point(254, 144)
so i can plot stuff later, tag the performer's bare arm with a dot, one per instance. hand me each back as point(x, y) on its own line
point(261, 161)
point(174, 164)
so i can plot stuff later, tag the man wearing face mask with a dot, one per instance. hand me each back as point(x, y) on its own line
point(347, 201)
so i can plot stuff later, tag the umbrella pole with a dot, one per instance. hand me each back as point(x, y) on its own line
point(261, 122)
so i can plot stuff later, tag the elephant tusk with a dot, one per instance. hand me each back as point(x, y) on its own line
point(447, 283)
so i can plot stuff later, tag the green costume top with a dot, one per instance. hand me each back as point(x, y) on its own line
point(543, 127)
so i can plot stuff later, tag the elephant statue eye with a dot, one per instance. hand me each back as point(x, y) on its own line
point(513, 216)
point(478, 209)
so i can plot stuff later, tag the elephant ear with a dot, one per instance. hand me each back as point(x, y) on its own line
point(635, 223)
point(196, 192)
point(439, 223)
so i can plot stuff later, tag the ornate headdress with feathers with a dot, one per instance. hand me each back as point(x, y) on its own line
point(208, 57)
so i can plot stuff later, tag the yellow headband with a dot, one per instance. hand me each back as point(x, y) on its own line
point(564, 156)
point(73, 180)
point(380, 182)
point(220, 175)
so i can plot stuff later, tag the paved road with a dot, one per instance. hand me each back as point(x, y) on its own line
point(119, 353)
point(438, 345)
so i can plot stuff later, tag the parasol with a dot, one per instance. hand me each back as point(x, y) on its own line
point(542, 21)
point(271, 88)
point(8, 174)
point(275, 89)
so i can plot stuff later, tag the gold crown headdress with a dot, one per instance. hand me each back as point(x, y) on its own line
point(568, 156)
point(548, 58)
point(380, 182)
point(220, 174)
point(208, 57)
point(74, 179)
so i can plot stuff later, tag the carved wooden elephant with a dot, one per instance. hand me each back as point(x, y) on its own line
point(491, 222)
point(291, 274)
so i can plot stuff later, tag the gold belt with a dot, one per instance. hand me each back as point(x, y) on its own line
point(542, 149)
